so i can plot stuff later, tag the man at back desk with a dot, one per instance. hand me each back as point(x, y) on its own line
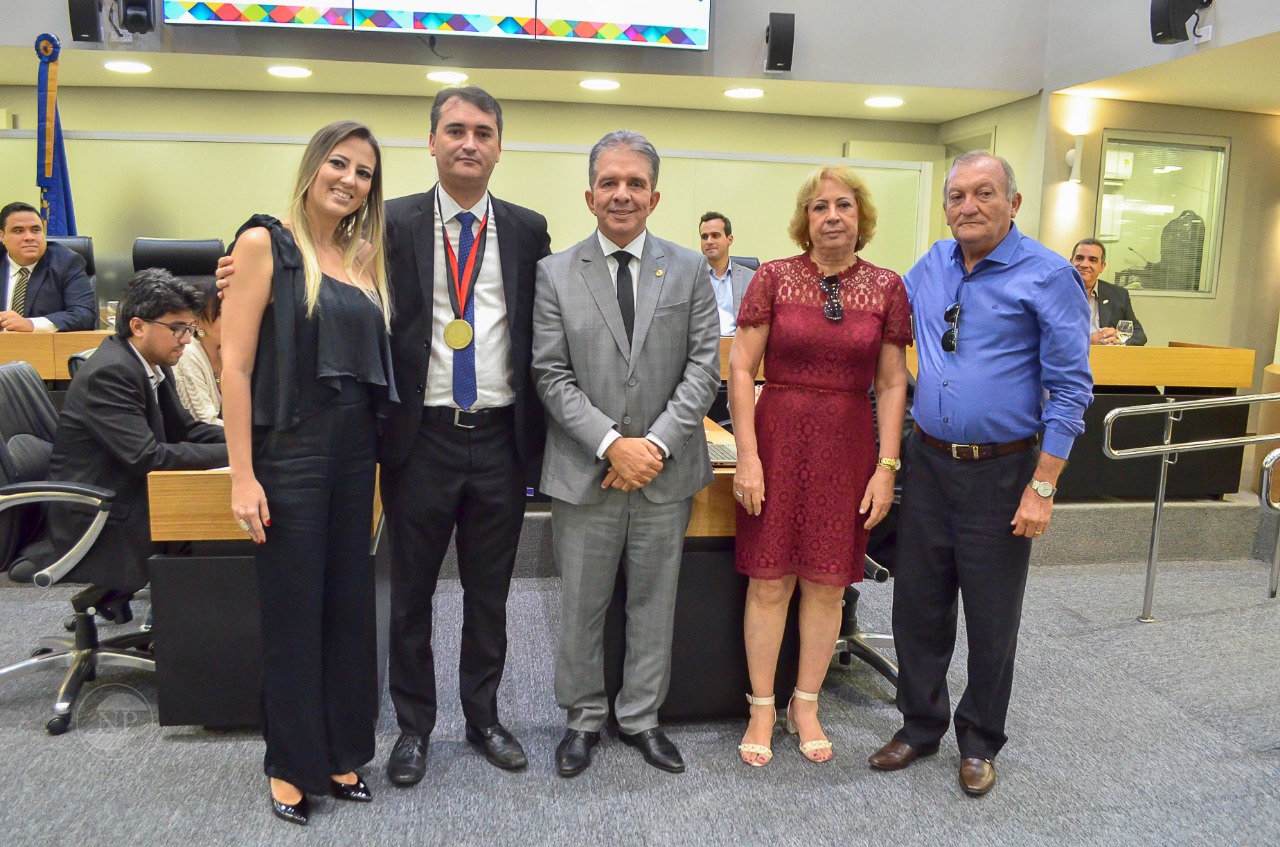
point(122, 420)
point(1108, 304)
point(45, 286)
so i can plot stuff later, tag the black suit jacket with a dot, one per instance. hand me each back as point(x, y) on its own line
point(522, 241)
point(112, 432)
point(1114, 305)
point(59, 289)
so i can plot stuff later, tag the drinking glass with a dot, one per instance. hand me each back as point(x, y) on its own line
point(1124, 331)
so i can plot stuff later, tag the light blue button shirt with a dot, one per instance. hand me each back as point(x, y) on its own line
point(723, 286)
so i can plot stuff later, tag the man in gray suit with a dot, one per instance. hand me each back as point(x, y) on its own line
point(626, 362)
point(728, 278)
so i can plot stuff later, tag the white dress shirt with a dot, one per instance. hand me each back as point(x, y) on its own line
point(153, 373)
point(636, 249)
point(723, 286)
point(38, 324)
point(494, 383)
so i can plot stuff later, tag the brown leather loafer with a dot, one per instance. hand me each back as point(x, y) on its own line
point(896, 755)
point(977, 776)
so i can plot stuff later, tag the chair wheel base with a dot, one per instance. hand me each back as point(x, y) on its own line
point(58, 724)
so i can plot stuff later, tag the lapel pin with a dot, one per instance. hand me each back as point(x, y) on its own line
point(658, 272)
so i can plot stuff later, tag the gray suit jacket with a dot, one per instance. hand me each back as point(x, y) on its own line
point(741, 277)
point(591, 380)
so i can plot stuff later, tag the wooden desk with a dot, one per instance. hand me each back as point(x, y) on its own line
point(35, 348)
point(196, 506)
point(726, 342)
point(1180, 364)
point(66, 344)
point(209, 639)
point(714, 515)
point(48, 351)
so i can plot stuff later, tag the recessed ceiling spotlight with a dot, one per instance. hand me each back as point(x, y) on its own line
point(289, 71)
point(883, 102)
point(744, 93)
point(127, 67)
point(447, 77)
point(600, 84)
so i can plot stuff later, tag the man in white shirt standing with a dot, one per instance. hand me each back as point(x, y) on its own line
point(729, 279)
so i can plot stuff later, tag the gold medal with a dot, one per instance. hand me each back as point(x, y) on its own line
point(458, 333)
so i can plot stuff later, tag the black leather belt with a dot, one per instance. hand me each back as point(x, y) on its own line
point(473, 419)
point(973, 452)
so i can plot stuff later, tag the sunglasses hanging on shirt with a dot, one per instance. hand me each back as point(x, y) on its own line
point(832, 308)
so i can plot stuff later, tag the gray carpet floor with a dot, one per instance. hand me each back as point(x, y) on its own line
point(1121, 733)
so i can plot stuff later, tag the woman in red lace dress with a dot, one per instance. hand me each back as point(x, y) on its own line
point(828, 326)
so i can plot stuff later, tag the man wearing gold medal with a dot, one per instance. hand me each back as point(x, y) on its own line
point(467, 437)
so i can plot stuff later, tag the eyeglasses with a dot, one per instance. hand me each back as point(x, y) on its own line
point(951, 337)
point(833, 308)
point(180, 331)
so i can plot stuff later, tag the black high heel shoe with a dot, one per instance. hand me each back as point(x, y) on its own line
point(357, 791)
point(293, 813)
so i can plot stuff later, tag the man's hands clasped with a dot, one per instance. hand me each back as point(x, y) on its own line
point(633, 463)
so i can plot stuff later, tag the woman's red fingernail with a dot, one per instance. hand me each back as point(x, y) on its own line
point(267, 522)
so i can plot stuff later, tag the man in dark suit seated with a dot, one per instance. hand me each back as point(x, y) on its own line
point(122, 420)
point(43, 286)
point(1108, 304)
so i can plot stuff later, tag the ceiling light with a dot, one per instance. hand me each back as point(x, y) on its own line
point(599, 84)
point(289, 71)
point(883, 102)
point(744, 93)
point(1167, 169)
point(447, 77)
point(128, 67)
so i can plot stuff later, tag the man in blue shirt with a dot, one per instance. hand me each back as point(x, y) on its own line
point(1002, 329)
point(728, 278)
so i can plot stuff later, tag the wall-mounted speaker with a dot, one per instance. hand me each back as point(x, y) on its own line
point(137, 16)
point(780, 37)
point(86, 20)
point(1169, 19)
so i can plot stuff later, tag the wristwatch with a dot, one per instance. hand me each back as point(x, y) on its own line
point(894, 465)
point(1044, 489)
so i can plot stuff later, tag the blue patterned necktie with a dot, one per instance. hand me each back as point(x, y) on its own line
point(464, 360)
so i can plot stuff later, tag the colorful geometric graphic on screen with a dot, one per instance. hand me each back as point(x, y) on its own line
point(267, 14)
point(492, 25)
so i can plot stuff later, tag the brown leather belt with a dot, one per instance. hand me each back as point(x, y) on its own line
point(973, 452)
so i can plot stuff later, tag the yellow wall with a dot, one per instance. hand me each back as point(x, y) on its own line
point(205, 188)
point(1243, 311)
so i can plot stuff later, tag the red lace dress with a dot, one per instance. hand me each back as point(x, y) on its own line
point(814, 427)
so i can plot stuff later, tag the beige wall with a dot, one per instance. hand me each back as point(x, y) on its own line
point(205, 188)
point(1243, 311)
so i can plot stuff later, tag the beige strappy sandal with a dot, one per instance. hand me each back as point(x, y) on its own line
point(759, 749)
point(808, 748)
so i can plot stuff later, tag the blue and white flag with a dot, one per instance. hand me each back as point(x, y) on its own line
point(51, 160)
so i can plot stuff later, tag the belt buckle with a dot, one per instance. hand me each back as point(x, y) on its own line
point(458, 422)
point(972, 449)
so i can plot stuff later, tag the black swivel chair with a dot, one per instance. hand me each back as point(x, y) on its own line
point(181, 257)
point(746, 261)
point(27, 426)
point(83, 245)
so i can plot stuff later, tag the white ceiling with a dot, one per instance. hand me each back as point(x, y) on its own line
point(1240, 77)
point(1243, 77)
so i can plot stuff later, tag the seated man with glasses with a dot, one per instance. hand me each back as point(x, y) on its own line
point(122, 420)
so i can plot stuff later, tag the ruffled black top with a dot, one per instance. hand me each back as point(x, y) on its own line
point(301, 361)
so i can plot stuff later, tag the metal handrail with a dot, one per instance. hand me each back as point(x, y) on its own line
point(1264, 495)
point(1169, 452)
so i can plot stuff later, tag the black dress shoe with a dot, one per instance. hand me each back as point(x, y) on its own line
point(656, 748)
point(293, 813)
point(408, 762)
point(356, 791)
point(573, 755)
point(499, 746)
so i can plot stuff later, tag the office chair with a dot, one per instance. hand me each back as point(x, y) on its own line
point(75, 360)
point(83, 245)
point(853, 642)
point(746, 261)
point(179, 256)
point(26, 443)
